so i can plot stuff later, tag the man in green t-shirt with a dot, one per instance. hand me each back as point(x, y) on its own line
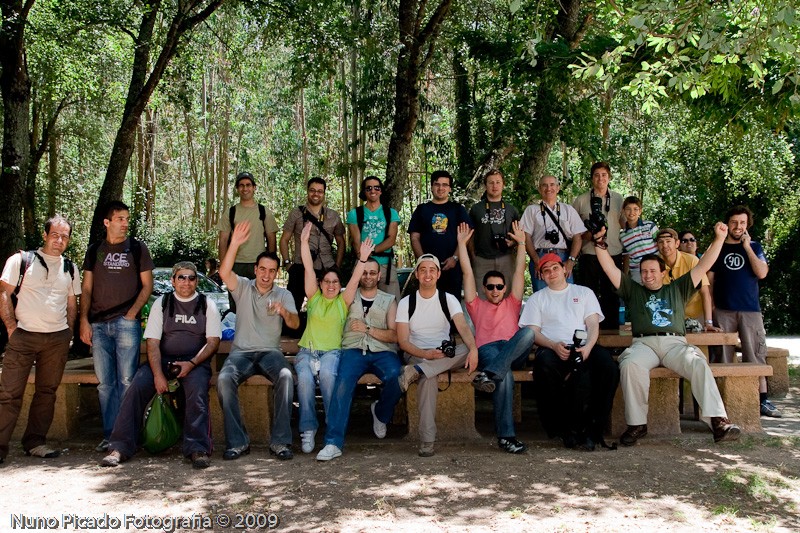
point(657, 320)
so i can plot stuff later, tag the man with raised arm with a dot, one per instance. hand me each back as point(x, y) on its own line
point(502, 345)
point(423, 331)
point(659, 329)
point(262, 308)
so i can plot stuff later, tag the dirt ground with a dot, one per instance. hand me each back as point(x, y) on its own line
point(683, 483)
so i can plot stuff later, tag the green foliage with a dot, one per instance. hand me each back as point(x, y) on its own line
point(179, 244)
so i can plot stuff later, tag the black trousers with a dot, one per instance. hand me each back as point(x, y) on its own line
point(590, 274)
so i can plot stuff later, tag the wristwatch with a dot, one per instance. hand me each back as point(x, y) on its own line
point(573, 259)
point(287, 262)
point(455, 258)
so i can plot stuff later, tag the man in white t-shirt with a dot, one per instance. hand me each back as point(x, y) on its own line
point(423, 331)
point(575, 387)
point(46, 285)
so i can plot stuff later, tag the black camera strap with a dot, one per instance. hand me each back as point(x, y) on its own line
point(546, 209)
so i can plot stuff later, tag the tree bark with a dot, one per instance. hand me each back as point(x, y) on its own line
point(465, 155)
point(417, 42)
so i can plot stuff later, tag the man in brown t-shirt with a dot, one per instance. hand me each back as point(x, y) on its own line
point(117, 281)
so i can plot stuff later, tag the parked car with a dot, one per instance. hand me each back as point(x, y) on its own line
point(162, 285)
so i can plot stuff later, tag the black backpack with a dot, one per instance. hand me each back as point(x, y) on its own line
point(168, 300)
point(26, 258)
point(262, 215)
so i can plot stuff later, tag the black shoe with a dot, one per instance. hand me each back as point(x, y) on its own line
point(483, 383)
point(723, 430)
point(102, 447)
point(586, 443)
point(281, 451)
point(632, 434)
point(200, 460)
point(235, 453)
point(511, 445)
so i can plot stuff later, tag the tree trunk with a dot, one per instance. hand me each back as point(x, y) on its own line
point(417, 41)
point(465, 155)
point(53, 178)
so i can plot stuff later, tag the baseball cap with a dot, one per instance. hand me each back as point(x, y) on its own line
point(183, 265)
point(549, 258)
point(244, 176)
point(428, 257)
point(667, 231)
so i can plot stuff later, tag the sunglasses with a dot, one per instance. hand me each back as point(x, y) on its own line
point(691, 239)
point(184, 277)
point(370, 188)
point(493, 286)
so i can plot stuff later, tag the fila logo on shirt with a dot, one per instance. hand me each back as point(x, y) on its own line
point(185, 319)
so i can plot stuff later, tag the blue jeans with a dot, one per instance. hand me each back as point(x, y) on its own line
point(126, 436)
point(500, 358)
point(539, 284)
point(353, 364)
point(238, 367)
point(308, 365)
point(115, 351)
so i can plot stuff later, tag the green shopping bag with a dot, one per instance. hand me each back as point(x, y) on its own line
point(161, 429)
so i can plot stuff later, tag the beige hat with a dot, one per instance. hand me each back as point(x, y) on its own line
point(428, 257)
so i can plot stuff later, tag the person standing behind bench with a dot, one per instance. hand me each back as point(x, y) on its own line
point(424, 320)
point(183, 332)
point(368, 345)
point(262, 307)
point(659, 332)
point(46, 285)
point(321, 343)
point(117, 282)
point(502, 345)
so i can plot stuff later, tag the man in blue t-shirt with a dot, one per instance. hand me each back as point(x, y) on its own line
point(734, 281)
point(433, 229)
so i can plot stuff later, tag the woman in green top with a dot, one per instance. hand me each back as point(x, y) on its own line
point(321, 342)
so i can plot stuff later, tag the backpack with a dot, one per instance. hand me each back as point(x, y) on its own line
point(26, 258)
point(412, 306)
point(262, 215)
point(168, 300)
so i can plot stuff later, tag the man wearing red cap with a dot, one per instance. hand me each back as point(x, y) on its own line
point(575, 387)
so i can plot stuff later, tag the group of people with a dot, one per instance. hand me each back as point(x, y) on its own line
point(366, 326)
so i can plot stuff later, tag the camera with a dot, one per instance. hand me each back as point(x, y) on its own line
point(448, 348)
point(578, 340)
point(551, 236)
point(595, 222)
point(499, 242)
point(173, 371)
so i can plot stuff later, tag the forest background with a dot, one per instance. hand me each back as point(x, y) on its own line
point(161, 102)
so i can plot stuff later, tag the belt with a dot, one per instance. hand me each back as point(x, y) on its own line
point(550, 250)
point(659, 334)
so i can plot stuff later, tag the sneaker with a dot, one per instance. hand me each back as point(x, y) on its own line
point(113, 459)
point(483, 383)
point(330, 451)
point(378, 427)
point(426, 449)
point(723, 430)
point(281, 451)
point(43, 451)
point(407, 377)
point(102, 447)
point(307, 440)
point(200, 460)
point(234, 453)
point(511, 445)
point(767, 409)
point(633, 434)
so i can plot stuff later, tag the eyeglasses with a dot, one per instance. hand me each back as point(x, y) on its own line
point(691, 239)
point(184, 277)
point(316, 191)
point(370, 188)
point(493, 286)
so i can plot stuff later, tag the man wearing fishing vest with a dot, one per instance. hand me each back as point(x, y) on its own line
point(258, 216)
point(45, 285)
point(117, 282)
point(369, 344)
point(379, 222)
point(183, 332)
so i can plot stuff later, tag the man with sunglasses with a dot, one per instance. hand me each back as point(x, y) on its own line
point(433, 229)
point(575, 385)
point(378, 222)
point(258, 216)
point(183, 332)
point(677, 264)
point(46, 286)
point(502, 345)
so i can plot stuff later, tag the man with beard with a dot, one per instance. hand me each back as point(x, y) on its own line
point(734, 278)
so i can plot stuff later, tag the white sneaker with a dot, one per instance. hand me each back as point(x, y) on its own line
point(307, 440)
point(378, 427)
point(330, 451)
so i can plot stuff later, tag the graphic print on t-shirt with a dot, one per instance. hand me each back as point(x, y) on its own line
point(116, 261)
point(660, 311)
point(734, 261)
point(439, 223)
point(495, 215)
